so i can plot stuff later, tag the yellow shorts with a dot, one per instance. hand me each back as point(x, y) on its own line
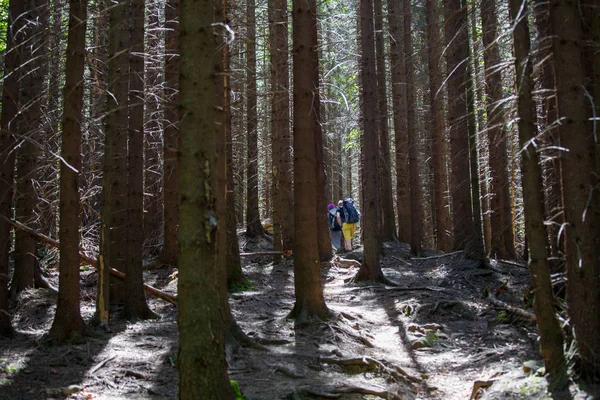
point(348, 230)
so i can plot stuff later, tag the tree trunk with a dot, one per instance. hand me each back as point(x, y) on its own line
point(10, 108)
point(457, 54)
point(399, 109)
point(283, 200)
point(579, 183)
point(370, 269)
point(500, 207)
point(201, 358)
point(310, 303)
point(154, 128)
point(114, 178)
point(413, 155)
point(438, 127)
point(171, 133)
point(135, 299)
point(253, 223)
point(552, 169)
point(551, 334)
point(388, 224)
point(31, 123)
point(68, 322)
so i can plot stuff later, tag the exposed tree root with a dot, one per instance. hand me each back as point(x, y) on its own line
point(339, 392)
point(395, 373)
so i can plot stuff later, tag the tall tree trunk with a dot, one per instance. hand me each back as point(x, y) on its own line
point(370, 268)
point(114, 178)
point(579, 182)
point(171, 133)
point(399, 108)
point(31, 123)
point(551, 334)
point(68, 322)
point(253, 223)
point(153, 123)
point(135, 299)
point(552, 169)
point(10, 108)
point(457, 54)
point(283, 200)
point(310, 302)
point(413, 155)
point(201, 360)
point(500, 207)
point(438, 127)
point(388, 224)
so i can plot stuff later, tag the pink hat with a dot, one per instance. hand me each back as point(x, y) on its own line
point(330, 206)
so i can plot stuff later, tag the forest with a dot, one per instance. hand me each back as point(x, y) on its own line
point(177, 182)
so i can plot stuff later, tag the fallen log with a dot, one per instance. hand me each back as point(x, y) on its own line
point(91, 261)
point(507, 307)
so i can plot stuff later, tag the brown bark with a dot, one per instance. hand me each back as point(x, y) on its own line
point(10, 108)
point(552, 169)
point(579, 180)
point(413, 155)
point(31, 124)
point(310, 302)
point(135, 299)
point(253, 223)
point(153, 123)
point(171, 132)
point(388, 224)
point(68, 322)
point(399, 108)
point(280, 127)
point(551, 334)
point(370, 223)
point(438, 126)
point(500, 207)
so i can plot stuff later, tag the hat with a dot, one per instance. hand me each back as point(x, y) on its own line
point(330, 206)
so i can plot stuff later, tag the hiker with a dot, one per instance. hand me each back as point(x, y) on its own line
point(335, 228)
point(349, 216)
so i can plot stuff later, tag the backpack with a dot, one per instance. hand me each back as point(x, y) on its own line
point(333, 223)
point(351, 214)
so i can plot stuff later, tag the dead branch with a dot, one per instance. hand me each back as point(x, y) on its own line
point(506, 307)
point(91, 261)
point(264, 253)
point(420, 259)
point(514, 263)
point(100, 365)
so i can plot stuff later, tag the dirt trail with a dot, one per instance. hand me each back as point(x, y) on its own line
point(432, 337)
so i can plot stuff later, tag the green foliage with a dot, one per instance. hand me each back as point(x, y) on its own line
point(241, 286)
point(237, 393)
point(502, 316)
point(3, 24)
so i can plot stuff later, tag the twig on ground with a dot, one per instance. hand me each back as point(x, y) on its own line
point(420, 259)
point(514, 263)
point(100, 365)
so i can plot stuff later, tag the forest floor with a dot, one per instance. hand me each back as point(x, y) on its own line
point(434, 336)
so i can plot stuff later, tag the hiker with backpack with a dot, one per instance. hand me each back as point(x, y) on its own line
point(349, 216)
point(335, 228)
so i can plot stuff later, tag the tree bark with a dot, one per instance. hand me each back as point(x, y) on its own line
point(388, 224)
point(457, 54)
point(253, 223)
point(413, 154)
point(310, 302)
point(135, 299)
point(371, 267)
point(579, 182)
point(171, 133)
point(201, 360)
point(500, 207)
point(68, 322)
point(551, 334)
point(438, 127)
point(10, 108)
point(400, 109)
